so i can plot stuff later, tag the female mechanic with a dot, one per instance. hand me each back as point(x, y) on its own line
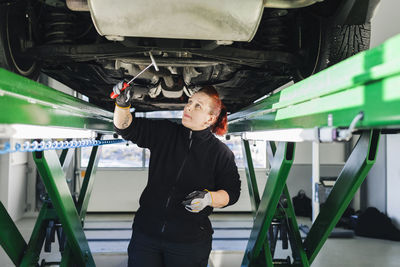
point(190, 173)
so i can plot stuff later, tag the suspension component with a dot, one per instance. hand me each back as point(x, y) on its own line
point(275, 31)
point(59, 26)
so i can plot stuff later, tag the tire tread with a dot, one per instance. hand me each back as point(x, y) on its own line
point(348, 40)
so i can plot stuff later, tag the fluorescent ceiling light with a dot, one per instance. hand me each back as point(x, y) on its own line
point(24, 131)
point(286, 135)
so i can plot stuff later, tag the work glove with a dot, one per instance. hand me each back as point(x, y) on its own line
point(197, 201)
point(124, 96)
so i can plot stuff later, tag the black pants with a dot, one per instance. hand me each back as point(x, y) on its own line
point(145, 251)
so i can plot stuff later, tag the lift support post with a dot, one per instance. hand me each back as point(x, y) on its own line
point(70, 215)
point(320, 108)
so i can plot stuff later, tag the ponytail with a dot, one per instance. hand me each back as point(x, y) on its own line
point(220, 127)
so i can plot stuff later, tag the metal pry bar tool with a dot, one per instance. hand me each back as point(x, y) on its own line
point(126, 85)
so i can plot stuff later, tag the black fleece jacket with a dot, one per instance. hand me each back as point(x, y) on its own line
point(181, 162)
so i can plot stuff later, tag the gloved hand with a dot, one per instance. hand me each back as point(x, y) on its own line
point(124, 96)
point(197, 201)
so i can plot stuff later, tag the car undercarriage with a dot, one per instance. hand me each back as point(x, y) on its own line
point(289, 45)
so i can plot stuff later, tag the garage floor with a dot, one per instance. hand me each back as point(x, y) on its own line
point(108, 237)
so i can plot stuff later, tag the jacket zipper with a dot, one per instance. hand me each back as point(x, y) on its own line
point(177, 179)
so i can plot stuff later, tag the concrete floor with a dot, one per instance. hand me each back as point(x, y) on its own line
point(227, 252)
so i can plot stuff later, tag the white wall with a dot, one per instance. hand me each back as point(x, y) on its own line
point(333, 153)
point(4, 162)
point(13, 182)
point(385, 24)
point(373, 190)
point(393, 178)
point(119, 191)
point(386, 21)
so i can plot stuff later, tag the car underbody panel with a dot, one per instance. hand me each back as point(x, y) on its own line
point(181, 72)
point(242, 48)
point(224, 20)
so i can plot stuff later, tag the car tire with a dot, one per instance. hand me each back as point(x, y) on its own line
point(346, 41)
point(331, 44)
point(14, 29)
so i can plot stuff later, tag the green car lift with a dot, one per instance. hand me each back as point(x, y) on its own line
point(360, 94)
point(31, 103)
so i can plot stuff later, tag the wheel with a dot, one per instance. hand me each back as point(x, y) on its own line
point(346, 41)
point(325, 44)
point(16, 36)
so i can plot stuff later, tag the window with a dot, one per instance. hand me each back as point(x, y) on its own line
point(131, 156)
point(173, 114)
point(257, 148)
point(116, 156)
point(126, 156)
point(258, 153)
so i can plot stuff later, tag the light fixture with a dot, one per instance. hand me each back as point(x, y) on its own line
point(25, 131)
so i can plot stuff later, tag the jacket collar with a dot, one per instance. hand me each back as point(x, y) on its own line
point(202, 134)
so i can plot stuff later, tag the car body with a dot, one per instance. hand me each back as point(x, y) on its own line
point(245, 49)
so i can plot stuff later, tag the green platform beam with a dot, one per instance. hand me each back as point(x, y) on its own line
point(366, 82)
point(36, 104)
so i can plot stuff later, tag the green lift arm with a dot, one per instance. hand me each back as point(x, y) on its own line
point(367, 82)
point(24, 101)
point(320, 108)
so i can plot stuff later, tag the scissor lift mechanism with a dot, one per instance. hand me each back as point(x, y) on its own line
point(25, 102)
point(320, 108)
point(360, 93)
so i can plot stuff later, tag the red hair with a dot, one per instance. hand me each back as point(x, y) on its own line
point(220, 127)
